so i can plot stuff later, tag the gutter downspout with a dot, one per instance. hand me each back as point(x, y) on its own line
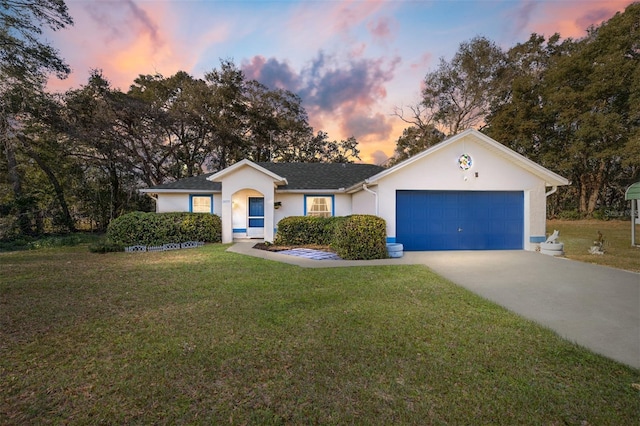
point(551, 191)
point(154, 197)
point(375, 194)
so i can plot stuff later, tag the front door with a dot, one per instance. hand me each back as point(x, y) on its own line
point(255, 218)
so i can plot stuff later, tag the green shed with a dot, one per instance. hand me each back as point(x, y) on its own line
point(633, 194)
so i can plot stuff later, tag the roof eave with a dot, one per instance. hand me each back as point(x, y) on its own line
point(178, 191)
point(310, 191)
point(358, 186)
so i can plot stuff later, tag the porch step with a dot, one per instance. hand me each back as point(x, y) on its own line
point(248, 240)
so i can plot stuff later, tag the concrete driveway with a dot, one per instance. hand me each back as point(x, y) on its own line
point(594, 306)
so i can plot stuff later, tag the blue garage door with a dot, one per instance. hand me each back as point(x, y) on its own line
point(460, 220)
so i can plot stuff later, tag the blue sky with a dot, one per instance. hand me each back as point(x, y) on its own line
point(352, 62)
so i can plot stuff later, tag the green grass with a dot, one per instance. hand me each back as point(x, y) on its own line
point(579, 235)
point(210, 337)
point(48, 241)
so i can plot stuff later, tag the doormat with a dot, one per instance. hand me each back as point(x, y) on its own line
point(311, 254)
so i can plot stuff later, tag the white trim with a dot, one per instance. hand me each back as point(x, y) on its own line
point(526, 216)
point(179, 191)
point(332, 209)
point(217, 177)
point(310, 191)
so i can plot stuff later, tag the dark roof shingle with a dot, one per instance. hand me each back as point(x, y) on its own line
point(321, 175)
point(300, 176)
point(196, 183)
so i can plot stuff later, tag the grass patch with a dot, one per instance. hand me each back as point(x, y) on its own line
point(206, 336)
point(47, 241)
point(579, 235)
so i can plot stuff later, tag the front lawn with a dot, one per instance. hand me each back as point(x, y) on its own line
point(579, 235)
point(210, 337)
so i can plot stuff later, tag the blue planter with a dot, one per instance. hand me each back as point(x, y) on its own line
point(395, 250)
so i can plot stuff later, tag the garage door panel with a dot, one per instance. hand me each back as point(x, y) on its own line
point(460, 220)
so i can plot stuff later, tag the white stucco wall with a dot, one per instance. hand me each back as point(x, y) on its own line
point(343, 206)
point(166, 203)
point(537, 216)
point(364, 202)
point(291, 206)
point(440, 171)
point(241, 179)
point(170, 202)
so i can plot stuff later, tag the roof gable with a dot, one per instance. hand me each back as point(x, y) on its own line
point(550, 178)
point(218, 176)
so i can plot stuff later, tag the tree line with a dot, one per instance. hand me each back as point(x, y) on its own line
point(572, 106)
point(78, 158)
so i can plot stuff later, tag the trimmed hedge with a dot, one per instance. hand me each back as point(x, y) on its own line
point(361, 237)
point(300, 230)
point(162, 228)
point(355, 237)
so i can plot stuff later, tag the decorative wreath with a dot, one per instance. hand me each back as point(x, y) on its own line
point(465, 162)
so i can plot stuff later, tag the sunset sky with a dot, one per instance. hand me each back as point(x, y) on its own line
point(352, 62)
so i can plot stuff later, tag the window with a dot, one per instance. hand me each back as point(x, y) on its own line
point(321, 206)
point(201, 204)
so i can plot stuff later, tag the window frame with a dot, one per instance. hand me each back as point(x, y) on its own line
point(209, 196)
point(308, 204)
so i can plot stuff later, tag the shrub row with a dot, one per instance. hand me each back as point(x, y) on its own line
point(355, 237)
point(361, 237)
point(301, 230)
point(140, 228)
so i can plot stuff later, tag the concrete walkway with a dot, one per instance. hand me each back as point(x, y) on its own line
point(594, 306)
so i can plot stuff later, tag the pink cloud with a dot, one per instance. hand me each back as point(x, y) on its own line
point(364, 126)
point(569, 19)
point(122, 38)
point(342, 97)
point(358, 50)
point(381, 29)
point(338, 20)
point(347, 14)
point(122, 19)
point(125, 39)
point(330, 84)
point(378, 157)
point(423, 62)
point(271, 72)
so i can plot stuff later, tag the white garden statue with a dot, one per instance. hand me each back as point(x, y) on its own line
point(598, 245)
point(552, 246)
point(553, 237)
